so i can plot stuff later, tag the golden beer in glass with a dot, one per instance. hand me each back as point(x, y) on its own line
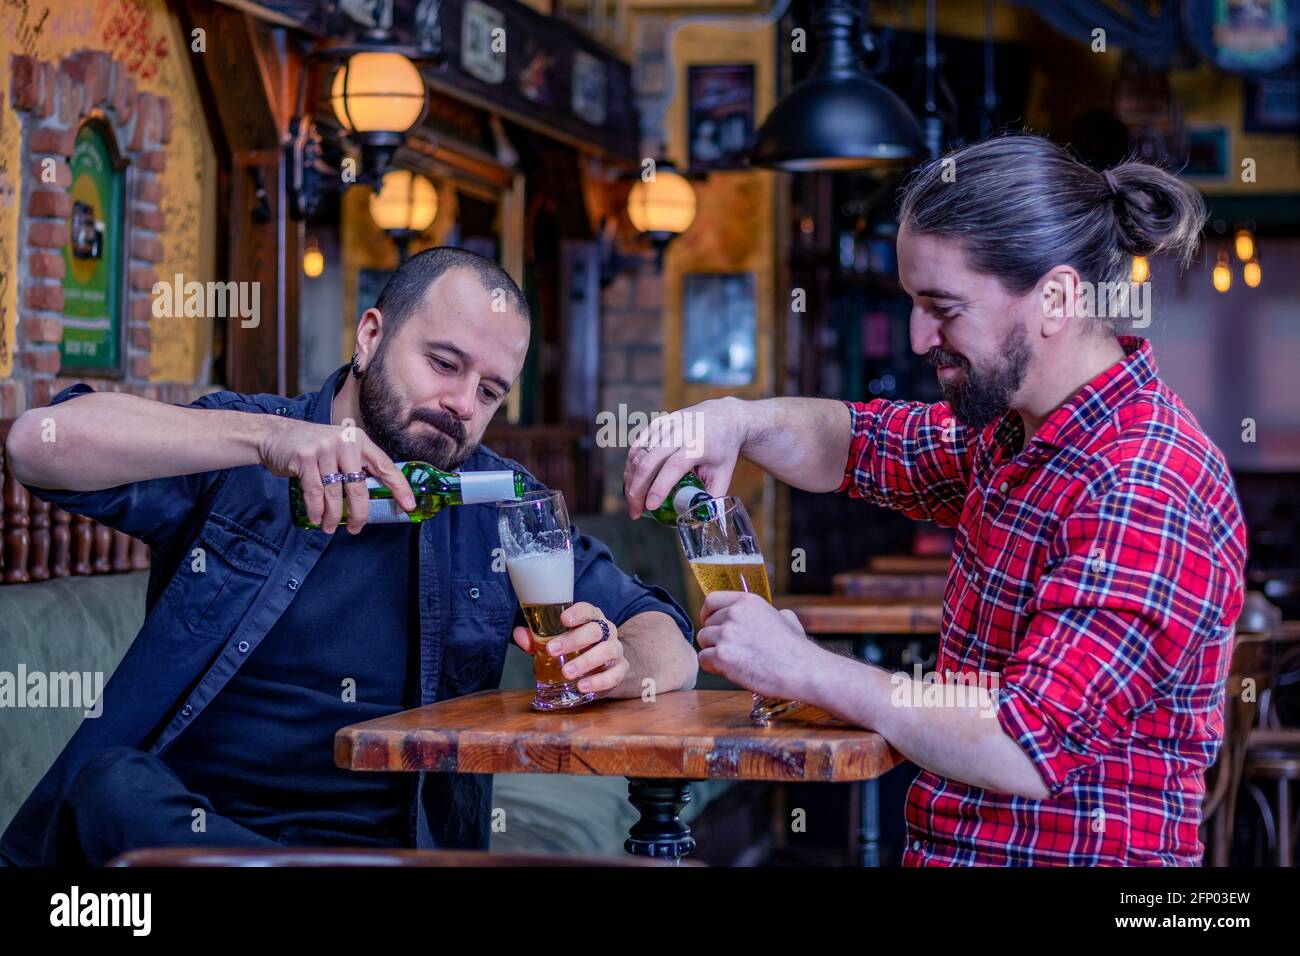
point(724, 555)
point(538, 545)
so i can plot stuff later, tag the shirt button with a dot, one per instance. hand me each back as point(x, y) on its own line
point(293, 584)
point(473, 593)
point(1003, 487)
point(243, 647)
point(186, 710)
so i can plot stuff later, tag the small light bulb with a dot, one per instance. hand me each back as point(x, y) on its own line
point(1141, 269)
point(1250, 272)
point(313, 262)
point(1222, 275)
point(1245, 244)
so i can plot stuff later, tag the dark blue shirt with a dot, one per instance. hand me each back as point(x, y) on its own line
point(263, 750)
point(201, 629)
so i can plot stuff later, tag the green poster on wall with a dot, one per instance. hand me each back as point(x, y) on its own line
point(92, 282)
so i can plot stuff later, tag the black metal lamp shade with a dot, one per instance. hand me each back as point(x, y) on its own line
point(838, 118)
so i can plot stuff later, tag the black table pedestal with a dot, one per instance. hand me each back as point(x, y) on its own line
point(660, 832)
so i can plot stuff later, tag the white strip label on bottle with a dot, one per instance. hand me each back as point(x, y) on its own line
point(386, 511)
point(685, 497)
point(480, 487)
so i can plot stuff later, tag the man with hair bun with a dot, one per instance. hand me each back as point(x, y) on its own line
point(1099, 557)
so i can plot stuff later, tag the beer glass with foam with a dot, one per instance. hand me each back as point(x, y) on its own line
point(538, 545)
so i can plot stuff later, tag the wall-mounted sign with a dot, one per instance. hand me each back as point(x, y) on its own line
point(93, 282)
point(589, 96)
point(1272, 105)
point(720, 115)
point(1245, 36)
point(483, 53)
point(537, 79)
point(542, 75)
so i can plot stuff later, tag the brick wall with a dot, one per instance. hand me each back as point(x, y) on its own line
point(52, 100)
point(631, 359)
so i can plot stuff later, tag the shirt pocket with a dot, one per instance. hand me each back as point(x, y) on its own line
point(219, 578)
point(478, 629)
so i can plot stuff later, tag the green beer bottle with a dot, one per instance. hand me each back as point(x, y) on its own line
point(689, 493)
point(433, 488)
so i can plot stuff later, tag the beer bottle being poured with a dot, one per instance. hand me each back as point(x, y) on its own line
point(433, 488)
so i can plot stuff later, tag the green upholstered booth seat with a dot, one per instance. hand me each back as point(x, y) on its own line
point(87, 623)
point(65, 624)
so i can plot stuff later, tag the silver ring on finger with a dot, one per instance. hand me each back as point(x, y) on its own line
point(604, 630)
point(355, 476)
point(333, 479)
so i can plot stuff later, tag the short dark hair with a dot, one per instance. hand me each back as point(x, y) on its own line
point(407, 287)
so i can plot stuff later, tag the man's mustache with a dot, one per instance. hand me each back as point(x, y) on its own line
point(942, 358)
point(445, 423)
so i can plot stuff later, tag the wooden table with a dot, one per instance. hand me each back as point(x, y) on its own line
point(865, 621)
point(910, 563)
point(862, 583)
point(660, 746)
point(843, 614)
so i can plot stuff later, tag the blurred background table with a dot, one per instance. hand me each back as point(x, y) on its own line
point(866, 622)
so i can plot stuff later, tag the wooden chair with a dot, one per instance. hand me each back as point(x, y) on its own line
point(350, 856)
point(1272, 752)
point(1248, 678)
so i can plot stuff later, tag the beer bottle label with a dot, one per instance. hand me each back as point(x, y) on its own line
point(687, 497)
point(386, 511)
point(480, 487)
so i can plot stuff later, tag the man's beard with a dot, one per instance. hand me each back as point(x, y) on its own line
point(980, 397)
point(387, 427)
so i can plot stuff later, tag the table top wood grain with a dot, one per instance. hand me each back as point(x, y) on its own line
point(686, 735)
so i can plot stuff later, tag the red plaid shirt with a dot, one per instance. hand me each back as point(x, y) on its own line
point(1094, 583)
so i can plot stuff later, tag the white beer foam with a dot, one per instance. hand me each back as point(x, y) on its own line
point(542, 577)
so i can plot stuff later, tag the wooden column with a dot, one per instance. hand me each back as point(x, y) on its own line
point(247, 78)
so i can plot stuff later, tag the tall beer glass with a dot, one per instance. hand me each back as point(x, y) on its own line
point(538, 546)
point(723, 552)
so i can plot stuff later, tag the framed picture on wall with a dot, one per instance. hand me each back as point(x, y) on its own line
point(1272, 105)
point(719, 328)
point(720, 115)
point(1207, 152)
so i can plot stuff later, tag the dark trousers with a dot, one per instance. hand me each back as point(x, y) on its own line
point(126, 799)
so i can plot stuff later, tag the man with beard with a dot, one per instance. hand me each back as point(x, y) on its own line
point(1099, 555)
point(262, 639)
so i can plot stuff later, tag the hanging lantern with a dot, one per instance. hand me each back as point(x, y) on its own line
point(377, 96)
point(664, 206)
point(405, 205)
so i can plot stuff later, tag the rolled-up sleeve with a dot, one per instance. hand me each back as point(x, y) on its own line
point(598, 581)
point(909, 456)
point(1131, 599)
point(152, 510)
